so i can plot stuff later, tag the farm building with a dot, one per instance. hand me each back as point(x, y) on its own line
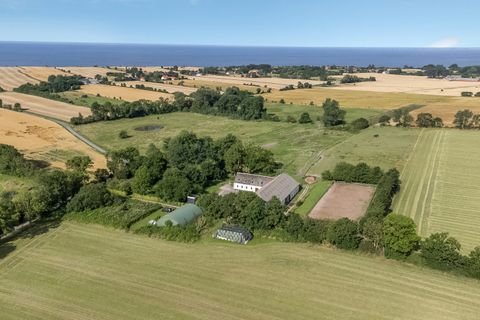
point(181, 216)
point(233, 234)
point(250, 182)
point(283, 186)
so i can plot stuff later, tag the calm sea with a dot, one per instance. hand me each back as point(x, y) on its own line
point(81, 54)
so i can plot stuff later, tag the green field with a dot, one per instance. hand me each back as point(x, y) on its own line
point(440, 188)
point(80, 272)
point(82, 99)
point(314, 195)
point(294, 145)
point(294, 110)
point(389, 149)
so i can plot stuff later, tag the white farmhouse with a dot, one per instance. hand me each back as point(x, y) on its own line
point(250, 182)
point(283, 187)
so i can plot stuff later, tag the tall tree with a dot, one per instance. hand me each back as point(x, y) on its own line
point(400, 236)
point(332, 114)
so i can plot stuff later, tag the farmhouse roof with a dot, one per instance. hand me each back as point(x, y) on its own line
point(181, 216)
point(280, 187)
point(252, 179)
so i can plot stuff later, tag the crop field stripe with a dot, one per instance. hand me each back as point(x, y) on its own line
point(415, 200)
point(440, 188)
point(88, 272)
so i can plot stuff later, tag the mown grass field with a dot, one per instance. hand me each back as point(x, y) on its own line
point(440, 188)
point(295, 145)
point(386, 147)
point(81, 272)
point(295, 110)
point(86, 100)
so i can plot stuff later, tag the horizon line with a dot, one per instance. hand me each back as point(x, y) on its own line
point(224, 45)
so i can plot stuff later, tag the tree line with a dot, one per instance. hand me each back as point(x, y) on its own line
point(51, 191)
point(54, 84)
point(187, 165)
point(234, 103)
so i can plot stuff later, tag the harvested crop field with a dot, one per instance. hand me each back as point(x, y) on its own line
point(440, 189)
point(12, 77)
point(41, 139)
point(88, 72)
point(199, 82)
point(47, 276)
point(122, 93)
point(41, 73)
point(44, 107)
point(162, 86)
point(274, 83)
point(411, 84)
point(343, 200)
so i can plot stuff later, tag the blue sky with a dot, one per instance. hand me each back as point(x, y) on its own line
point(334, 23)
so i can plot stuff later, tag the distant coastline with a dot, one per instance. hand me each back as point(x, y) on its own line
point(89, 54)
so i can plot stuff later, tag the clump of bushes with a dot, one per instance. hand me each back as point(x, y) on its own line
point(359, 124)
point(360, 173)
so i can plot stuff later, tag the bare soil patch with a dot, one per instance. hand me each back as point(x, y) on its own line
point(343, 200)
point(310, 180)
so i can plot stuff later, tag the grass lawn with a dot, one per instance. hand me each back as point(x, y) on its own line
point(294, 145)
point(386, 147)
point(82, 99)
point(314, 195)
point(440, 189)
point(295, 110)
point(81, 272)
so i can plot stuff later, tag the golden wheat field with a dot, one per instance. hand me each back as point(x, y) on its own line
point(41, 139)
point(274, 83)
point(411, 84)
point(44, 107)
point(41, 73)
point(123, 93)
point(161, 86)
point(11, 77)
point(88, 72)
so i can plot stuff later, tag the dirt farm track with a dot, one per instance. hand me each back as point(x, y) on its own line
point(343, 200)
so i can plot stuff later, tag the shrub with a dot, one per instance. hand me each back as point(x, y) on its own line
point(343, 233)
point(441, 251)
point(89, 197)
point(123, 134)
point(120, 215)
point(360, 124)
point(305, 118)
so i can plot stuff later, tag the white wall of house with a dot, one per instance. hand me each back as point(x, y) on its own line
point(245, 187)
